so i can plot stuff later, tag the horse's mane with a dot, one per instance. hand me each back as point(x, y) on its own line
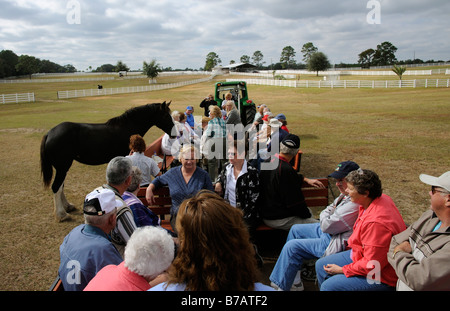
point(130, 113)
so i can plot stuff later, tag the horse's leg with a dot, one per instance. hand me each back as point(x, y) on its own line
point(60, 213)
point(69, 207)
point(62, 206)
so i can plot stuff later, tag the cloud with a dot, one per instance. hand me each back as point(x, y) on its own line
point(180, 34)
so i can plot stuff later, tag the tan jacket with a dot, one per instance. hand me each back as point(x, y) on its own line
point(427, 268)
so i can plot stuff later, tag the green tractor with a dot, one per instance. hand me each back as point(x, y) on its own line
point(238, 89)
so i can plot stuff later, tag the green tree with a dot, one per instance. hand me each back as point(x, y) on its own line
point(151, 69)
point(287, 57)
point(385, 54)
point(8, 62)
point(318, 62)
point(308, 49)
point(257, 59)
point(245, 59)
point(365, 58)
point(105, 68)
point(212, 60)
point(120, 66)
point(27, 65)
point(399, 70)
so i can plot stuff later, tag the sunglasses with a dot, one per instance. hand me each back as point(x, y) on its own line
point(434, 190)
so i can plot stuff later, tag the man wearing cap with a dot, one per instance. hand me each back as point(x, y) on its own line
point(282, 118)
point(281, 200)
point(190, 117)
point(87, 248)
point(310, 241)
point(420, 254)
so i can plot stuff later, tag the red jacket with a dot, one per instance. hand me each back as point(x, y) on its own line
point(371, 238)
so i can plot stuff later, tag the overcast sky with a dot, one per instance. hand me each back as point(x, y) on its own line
point(180, 33)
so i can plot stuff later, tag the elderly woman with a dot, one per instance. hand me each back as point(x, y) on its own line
point(142, 215)
point(215, 252)
point(183, 181)
point(364, 266)
point(149, 252)
point(233, 116)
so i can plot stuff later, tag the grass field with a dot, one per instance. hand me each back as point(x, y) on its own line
point(398, 133)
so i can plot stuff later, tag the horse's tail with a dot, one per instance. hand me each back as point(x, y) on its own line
point(46, 166)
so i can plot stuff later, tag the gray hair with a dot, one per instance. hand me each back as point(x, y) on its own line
point(95, 220)
point(365, 180)
point(136, 178)
point(118, 170)
point(287, 150)
point(149, 251)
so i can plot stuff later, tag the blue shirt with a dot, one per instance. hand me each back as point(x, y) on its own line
point(190, 119)
point(84, 252)
point(178, 188)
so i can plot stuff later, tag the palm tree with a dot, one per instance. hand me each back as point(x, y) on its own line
point(399, 70)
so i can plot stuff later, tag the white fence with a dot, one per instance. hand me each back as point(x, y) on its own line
point(426, 83)
point(16, 98)
point(57, 80)
point(124, 90)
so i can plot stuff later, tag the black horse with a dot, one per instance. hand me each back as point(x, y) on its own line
point(95, 144)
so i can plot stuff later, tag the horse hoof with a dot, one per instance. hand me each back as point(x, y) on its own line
point(62, 218)
point(70, 208)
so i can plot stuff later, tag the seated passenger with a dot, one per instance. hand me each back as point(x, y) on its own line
point(146, 164)
point(420, 254)
point(149, 252)
point(183, 181)
point(142, 215)
point(215, 252)
point(310, 241)
point(281, 199)
point(364, 266)
point(88, 248)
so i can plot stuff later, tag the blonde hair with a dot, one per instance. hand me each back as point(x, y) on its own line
point(188, 149)
point(215, 111)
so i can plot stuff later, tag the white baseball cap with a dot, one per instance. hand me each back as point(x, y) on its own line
point(103, 200)
point(442, 181)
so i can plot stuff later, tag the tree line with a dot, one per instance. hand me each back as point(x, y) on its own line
point(313, 60)
point(13, 65)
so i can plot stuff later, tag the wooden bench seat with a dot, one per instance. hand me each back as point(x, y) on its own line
point(314, 197)
point(162, 205)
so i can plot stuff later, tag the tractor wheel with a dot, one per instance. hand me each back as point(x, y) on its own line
point(249, 114)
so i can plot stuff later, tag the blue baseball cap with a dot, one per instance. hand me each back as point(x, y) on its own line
point(343, 169)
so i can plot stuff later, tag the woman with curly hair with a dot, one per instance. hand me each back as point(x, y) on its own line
point(214, 251)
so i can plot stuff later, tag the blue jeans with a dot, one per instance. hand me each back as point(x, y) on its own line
point(339, 282)
point(304, 241)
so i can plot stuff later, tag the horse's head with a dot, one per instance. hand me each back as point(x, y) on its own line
point(165, 120)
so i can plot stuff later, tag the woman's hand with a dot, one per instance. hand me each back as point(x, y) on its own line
point(333, 269)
